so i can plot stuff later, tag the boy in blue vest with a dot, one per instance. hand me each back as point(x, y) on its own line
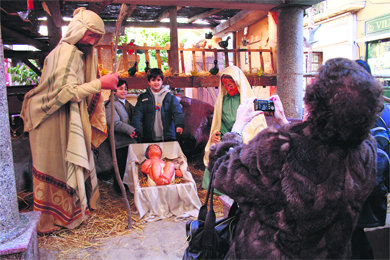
point(158, 115)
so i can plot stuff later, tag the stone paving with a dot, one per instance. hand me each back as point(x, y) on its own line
point(164, 239)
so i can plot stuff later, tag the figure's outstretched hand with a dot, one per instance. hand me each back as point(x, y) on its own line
point(245, 113)
point(216, 137)
point(109, 81)
point(279, 115)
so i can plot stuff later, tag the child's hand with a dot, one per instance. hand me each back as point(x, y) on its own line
point(109, 81)
point(179, 130)
point(133, 135)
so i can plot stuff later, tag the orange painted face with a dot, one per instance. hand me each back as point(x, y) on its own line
point(154, 151)
point(230, 86)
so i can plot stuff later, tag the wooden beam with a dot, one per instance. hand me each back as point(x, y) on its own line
point(123, 14)
point(110, 25)
point(54, 22)
point(52, 9)
point(239, 22)
point(165, 14)
point(130, 9)
point(97, 7)
point(235, 54)
point(198, 82)
point(174, 52)
point(23, 54)
point(203, 15)
point(32, 66)
point(223, 4)
point(33, 42)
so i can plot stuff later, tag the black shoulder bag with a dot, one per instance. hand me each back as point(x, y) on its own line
point(208, 239)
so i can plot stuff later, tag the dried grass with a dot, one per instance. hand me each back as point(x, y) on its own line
point(198, 176)
point(110, 220)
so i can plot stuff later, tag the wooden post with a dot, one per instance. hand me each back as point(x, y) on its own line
point(146, 54)
point(272, 60)
point(235, 48)
point(113, 55)
point(193, 59)
point(261, 60)
point(183, 68)
point(158, 57)
point(174, 53)
point(168, 46)
point(250, 60)
point(204, 59)
point(226, 59)
point(54, 23)
point(124, 57)
point(137, 59)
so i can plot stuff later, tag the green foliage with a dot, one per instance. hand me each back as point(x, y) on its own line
point(123, 39)
point(23, 75)
point(150, 37)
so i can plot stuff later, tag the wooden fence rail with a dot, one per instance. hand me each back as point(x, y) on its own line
point(126, 49)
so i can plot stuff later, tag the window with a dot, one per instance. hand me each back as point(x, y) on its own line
point(378, 56)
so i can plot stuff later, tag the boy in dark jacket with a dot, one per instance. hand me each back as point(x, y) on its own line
point(158, 115)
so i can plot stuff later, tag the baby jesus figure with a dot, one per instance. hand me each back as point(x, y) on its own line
point(159, 172)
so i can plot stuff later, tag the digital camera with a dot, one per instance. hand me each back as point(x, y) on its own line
point(264, 105)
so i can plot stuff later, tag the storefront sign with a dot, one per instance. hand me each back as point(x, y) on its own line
point(378, 25)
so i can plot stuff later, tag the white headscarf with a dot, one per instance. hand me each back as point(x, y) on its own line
point(82, 21)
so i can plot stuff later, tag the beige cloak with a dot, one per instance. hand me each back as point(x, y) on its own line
point(65, 117)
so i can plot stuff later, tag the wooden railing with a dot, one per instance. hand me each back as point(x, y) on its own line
point(126, 60)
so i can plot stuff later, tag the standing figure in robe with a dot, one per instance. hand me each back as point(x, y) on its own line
point(234, 88)
point(65, 118)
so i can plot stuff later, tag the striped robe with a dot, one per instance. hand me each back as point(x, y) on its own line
point(58, 114)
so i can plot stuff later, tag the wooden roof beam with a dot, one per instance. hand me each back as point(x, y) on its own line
point(110, 26)
point(222, 4)
point(8, 53)
point(165, 14)
point(129, 11)
point(239, 22)
point(37, 44)
point(99, 6)
point(32, 66)
point(203, 15)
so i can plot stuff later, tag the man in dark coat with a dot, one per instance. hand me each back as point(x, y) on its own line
point(301, 187)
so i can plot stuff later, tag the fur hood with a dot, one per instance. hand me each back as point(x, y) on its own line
point(299, 198)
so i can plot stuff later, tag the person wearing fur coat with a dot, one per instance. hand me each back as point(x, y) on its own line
point(301, 187)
